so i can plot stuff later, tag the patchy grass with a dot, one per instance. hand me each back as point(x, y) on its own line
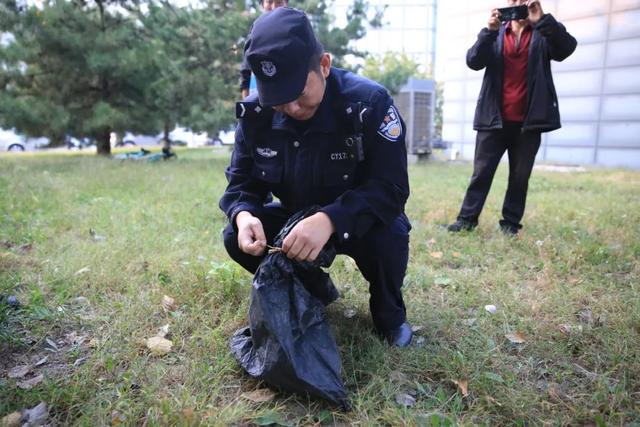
point(568, 284)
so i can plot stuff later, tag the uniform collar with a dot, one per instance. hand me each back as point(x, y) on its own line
point(326, 118)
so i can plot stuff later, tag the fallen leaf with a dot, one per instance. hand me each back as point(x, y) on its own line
point(52, 344)
point(14, 419)
point(416, 328)
point(516, 337)
point(19, 371)
point(79, 362)
point(585, 316)
point(94, 342)
point(443, 281)
point(42, 361)
point(96, 237)
point(491, 308)
point(419, 341)
point(168, 304)
point(82, 271)
point(405, 400)
point(456, 254)
point(260, 396)
point(432, 241)
point(163, 331)
point(592, 376)
point(29, 384)
point(349, 313)
point(36, 416)
point(398, 377)
point(187, 413)
point(159, 346)
point(569, 329)
point(436, 255)
point(117, 418)
point(463, 386)
point(81, 301)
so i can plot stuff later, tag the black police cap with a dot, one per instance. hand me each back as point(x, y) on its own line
point(278, 51)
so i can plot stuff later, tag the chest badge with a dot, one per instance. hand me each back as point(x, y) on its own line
point(266, 152)
point(391, 127)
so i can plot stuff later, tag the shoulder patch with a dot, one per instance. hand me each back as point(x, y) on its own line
point(391, 126)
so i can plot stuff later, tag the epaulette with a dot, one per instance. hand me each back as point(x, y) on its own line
point(251, 110)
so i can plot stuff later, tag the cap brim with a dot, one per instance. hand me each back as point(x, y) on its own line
point(283, 90)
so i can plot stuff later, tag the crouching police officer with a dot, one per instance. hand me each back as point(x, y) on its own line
point(318, 135)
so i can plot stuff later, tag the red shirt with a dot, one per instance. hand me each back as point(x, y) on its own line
point(514, 86)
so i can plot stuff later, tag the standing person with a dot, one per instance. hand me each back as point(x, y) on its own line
point(245, 70)
point(319, 135)
point(517, 102)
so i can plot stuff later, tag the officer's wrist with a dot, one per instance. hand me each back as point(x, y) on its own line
point(241, 217)
point(328, 220)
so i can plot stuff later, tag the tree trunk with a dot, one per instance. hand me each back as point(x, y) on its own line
point(104, 143)
point(166, 146)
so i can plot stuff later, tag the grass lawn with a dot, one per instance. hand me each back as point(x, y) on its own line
point(567, 289)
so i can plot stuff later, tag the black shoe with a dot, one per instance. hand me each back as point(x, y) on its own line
point(461, 225)
point(400, 336)
point(508, 228)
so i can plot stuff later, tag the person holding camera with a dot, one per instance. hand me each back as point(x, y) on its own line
point(517, 102)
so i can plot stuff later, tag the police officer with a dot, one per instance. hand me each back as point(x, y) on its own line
point(318, 135)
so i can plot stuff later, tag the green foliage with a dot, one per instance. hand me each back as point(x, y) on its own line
point(195, 63)
point(338, 41)
point(392, 70)
point(77, 69)
point(91, 68)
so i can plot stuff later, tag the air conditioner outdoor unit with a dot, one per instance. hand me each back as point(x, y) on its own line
point(416, 102)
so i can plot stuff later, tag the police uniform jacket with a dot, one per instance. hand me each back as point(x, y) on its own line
point(350, 158)
point(549, 40)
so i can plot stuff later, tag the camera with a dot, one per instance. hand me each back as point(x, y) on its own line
point(514, 13)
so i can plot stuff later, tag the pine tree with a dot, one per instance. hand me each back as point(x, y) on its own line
point(75, 68)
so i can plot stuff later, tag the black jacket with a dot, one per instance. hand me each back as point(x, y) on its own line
point(550, 40)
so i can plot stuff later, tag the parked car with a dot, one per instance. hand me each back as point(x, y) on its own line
point(12, 141)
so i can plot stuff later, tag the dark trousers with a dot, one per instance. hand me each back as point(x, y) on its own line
point(521, 148)
point(381, 255)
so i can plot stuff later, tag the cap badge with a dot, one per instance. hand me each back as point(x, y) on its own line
point(268, 68)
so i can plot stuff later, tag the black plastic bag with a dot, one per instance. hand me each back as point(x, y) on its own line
point(288, 343)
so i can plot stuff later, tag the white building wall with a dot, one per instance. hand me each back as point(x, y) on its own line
point(408, 27)
point(598, 86)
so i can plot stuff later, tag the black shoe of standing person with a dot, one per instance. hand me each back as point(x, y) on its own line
point(509, 229)
point(400, 336)
point(461, 225)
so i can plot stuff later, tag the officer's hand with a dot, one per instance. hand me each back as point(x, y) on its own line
point(305, 241)
point(494, 20)
point(535, 11)
point(251, 238)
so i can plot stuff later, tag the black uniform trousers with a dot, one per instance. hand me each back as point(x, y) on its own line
point(381, 255)
point(521, 147)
